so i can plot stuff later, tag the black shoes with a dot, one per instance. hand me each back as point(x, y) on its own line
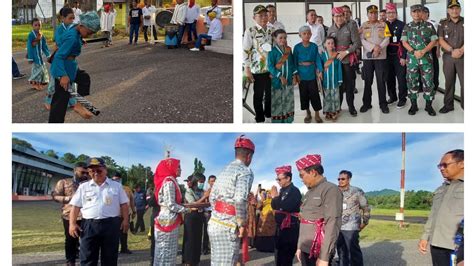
point(353, 111)
point(445, 109)
point(365, 108)
point(385, 109)
point(127, 251)
point(429, 109)
point(401, 103)
point(390, 101)
point(20, 76)
point(413, 108)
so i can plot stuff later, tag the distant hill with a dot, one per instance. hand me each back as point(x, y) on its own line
point(383, 192)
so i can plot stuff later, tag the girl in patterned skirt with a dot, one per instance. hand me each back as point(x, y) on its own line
point(36, 47)
point(332, 79)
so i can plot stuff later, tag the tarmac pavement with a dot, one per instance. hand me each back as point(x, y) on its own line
point(141, 84)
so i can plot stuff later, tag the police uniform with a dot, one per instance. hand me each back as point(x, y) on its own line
point(373, 34)
point(348, 40)
point(395, 71)
point(229, 208)
point(452, 33)
point(101, 209)
point(286, 207)
point(419, 35)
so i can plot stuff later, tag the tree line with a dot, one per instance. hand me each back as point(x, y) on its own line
point(414, 200)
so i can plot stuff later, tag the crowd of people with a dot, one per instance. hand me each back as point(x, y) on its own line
point(65, 76)
point(326, 61)
point(227, 218)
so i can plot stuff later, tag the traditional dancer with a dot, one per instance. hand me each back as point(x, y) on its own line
point(282, 68)
point(320, 215)
point(37, 47)
point(169, 219)
point(64, 68)
point(332, 80)
point(228, 199)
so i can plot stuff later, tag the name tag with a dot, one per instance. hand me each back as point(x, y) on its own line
point(344, 206)
point(446, 36)
point(395, 39)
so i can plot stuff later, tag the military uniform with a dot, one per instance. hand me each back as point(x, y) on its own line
point(348, 40)
point(371, 35)
point(419, 35)
point(453, 33)
point(395, 71)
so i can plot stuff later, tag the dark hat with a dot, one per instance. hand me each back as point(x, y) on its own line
point(94, 161)
point(259, 9)
point(453, 3)
point(372, 8)
point(426, 10)
point(414, 8)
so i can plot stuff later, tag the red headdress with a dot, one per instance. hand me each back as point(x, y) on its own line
point(308, 160)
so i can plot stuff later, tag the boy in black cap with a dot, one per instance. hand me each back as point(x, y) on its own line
point(255, 62)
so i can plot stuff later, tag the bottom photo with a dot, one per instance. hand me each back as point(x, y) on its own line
point(238, 198)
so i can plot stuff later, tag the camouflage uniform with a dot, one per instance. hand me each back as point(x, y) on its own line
point(419, 35)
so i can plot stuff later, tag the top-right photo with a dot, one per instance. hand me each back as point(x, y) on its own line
point(378, 61)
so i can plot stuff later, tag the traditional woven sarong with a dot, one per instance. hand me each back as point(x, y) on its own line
point(39, 74)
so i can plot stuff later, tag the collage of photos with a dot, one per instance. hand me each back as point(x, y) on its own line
point(155, 160)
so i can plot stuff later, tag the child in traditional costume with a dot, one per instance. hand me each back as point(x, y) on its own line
point(332, 79)
point(281, 65)
point(37, 47)
point(307, 60)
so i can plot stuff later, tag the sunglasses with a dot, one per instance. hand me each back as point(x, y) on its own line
point(343, 179)
point(444, 165)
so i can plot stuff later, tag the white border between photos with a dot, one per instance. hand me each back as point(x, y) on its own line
point(7, 128)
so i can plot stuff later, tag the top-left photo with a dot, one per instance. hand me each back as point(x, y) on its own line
point(122, 61)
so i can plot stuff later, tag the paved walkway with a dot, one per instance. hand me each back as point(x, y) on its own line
point(141, 84)
point(385, 253)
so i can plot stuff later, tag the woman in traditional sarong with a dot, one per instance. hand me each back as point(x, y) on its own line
point(36, 48)
point(266, 225)
point(169, 219)
point(282, 69)
point(251, 220)
point(193, 221)
point(332, 79)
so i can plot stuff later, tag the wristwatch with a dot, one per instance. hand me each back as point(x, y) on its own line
point(347, 51)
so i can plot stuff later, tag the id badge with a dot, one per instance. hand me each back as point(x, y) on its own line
point(108, 199)
point(344, 206)
point(395, 39)
point(266, 47)
point(446, 36)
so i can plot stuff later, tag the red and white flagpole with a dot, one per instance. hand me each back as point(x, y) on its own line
point(402, 181)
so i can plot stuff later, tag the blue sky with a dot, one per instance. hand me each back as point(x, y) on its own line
point(373, 158)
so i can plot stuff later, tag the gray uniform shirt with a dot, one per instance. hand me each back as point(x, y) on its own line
point(322, 201)
point(346, 36)
point(373, 34)
point(446, 213)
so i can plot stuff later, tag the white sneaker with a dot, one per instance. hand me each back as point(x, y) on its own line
point(194, 49)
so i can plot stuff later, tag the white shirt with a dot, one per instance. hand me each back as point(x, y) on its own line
point(99, 202)
point(218, 14)
point(146, 12)
point(192, 13)
point(77, 12)
point(215, 29)
point(277, 25)
point(179, 14)
point(317, 35)
point(107, 20)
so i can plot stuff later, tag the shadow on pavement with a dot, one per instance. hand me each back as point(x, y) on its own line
point(387, 253)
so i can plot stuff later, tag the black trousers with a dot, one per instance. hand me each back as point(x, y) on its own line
point(440, 256)
point(348, 85)
point(309, 93)
point(71, 243)
point(262, 87)
point(140, 222)
point(205, 236)
point(286, 242)
point(124, 238)
point(306, 261)
point(145, 32)
point(61, 97)
point(435, 68)
point(192, 238)
point(396, 73)
point(379, 67)
point(348, 248)
point(100, 236)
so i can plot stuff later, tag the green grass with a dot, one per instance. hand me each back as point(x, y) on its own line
point(387, 230)
point(391, 212)
point(38, 227)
